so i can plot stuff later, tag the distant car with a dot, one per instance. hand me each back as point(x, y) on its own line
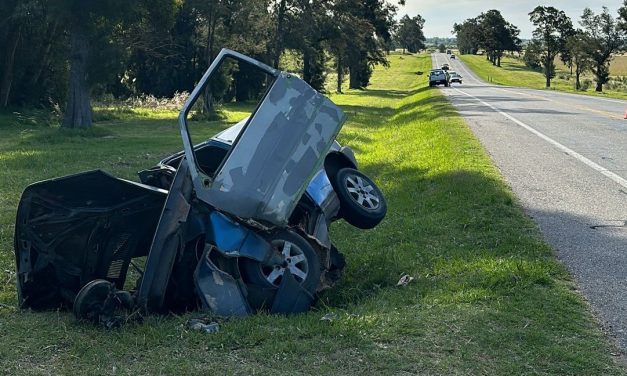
point(437, 77)
point(448, 52)
point(445, 67)
point(455, 77)
point(452, 56)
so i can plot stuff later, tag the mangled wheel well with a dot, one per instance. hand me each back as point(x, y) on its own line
point(335, 161)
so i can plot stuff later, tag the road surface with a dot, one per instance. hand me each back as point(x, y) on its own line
point(565, 158)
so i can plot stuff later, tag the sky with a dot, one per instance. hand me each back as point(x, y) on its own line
point(440, 15)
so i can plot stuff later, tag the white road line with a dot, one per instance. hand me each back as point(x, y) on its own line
point(435, 60)
point(572, 96)
point(574, 154)
point(472, 75)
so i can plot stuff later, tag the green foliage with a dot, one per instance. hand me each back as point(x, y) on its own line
point(578, 46)
point(533, 55)
point(606, 37)
point(553, 27)
point(359, 33)
point(468, 36)
point(489, 31)
point(125, 48)
point(410, 35)
point(514, 72)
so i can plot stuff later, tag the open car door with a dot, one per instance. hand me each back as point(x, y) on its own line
point(276, 154)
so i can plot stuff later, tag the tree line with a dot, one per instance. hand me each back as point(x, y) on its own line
point(488, 31)
point(587, 48)
point(68, 51)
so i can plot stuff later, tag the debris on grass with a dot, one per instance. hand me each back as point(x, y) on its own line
point(404, 280)
point(331, 316)
point(200, 324)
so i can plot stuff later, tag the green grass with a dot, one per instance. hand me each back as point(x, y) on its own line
point(488, 296)
point(514, 72)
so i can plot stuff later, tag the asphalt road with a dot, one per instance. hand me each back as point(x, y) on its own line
point(565, 157)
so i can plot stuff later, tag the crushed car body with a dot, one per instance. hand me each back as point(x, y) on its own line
point(235, 224)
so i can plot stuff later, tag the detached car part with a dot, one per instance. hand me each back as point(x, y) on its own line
point(235, 224)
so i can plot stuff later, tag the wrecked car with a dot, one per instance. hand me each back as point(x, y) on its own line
point(235, 224)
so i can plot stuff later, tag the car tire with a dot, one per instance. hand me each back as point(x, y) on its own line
point(298, 256)
point(361, 202)
point(446, 84)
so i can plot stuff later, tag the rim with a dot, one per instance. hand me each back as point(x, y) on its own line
point(361, 192)
point(293, 259)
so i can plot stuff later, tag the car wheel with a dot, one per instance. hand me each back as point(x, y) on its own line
point(361, 202)
point(446, 84)
point(298, 257)
point(99, 302)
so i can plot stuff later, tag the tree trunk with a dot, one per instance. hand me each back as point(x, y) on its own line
point(45, 56)
point(498, 61)
point(9, 60)
point(547, 70)
point(278, 48)
point(340, 76)
point(599, 87)
point(208, 106)
point(577, 82)
point(354, 80)
point(78, 108)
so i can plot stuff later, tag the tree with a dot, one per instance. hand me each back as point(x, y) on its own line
point(410, 35)
point(552, 27)
point(26, 38)
point(533, 54)
point(441, 47)
point(53, 51)
point(578, 46)
point(90, 26)
point(606, 37)
point(469, 36)
point(489, 31)
point(344, 35)
point(370, 50)
point(497, 35)
point(11, 38)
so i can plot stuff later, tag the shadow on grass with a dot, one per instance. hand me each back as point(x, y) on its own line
point(388, 94)
point(460, 218)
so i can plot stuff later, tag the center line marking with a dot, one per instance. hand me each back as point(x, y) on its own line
point(616, 178)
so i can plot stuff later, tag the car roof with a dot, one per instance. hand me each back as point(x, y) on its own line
point(230, 134)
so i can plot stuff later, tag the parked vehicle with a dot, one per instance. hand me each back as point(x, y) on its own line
point(455, 77)
point(437, 77)
point(235, 224)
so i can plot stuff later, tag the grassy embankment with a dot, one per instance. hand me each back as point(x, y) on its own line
point(488, 296)
point(514, 72)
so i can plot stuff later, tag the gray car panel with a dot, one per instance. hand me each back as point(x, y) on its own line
point(276, 154)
